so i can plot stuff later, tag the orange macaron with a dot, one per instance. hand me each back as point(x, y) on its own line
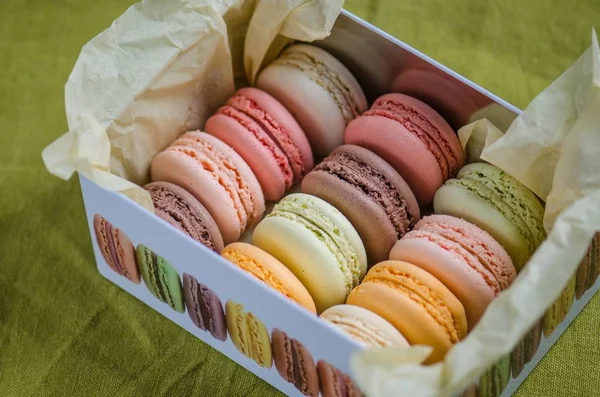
point(416, 303)
point(269, 270)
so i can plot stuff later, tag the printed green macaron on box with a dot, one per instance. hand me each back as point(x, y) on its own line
point(251, 277)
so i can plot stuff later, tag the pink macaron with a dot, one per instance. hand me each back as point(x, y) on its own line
point(413, 138)
point(266, 136)
point(215, 175)
point(465, 258)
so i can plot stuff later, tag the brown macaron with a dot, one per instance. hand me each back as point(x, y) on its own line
point(370, 193)
point(294, 363)
point(116, 248)
point(335, 383)
point(182, 210)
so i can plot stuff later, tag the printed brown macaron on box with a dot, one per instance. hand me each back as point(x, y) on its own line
point(256, 327)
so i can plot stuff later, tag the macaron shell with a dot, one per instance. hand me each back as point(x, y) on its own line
point(371, 194)
point(526, 349)
point(199, 176)
point(493, 382)
point(335, 383)
point(255, 146)
point(247, 186)
point(462, 203)
point(182, 210)
point(447, 262)
point(589, 269)
point(161, 278)
point(291, 138)
point(270, 271)
point(248, 334)
point(306, 256)
point(414, 302)
point(429, 121)
point(364, 326)
point(404, 151)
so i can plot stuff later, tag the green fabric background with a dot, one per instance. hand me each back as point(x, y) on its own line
point(64, 330)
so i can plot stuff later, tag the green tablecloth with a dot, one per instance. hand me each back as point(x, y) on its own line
point(65, 330)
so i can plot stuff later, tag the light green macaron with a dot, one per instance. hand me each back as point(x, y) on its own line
point(318, 244)
point(495, 201)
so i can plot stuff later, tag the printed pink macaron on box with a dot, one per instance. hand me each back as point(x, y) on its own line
point(233, 312)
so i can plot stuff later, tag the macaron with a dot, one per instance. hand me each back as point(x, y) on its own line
point(416, 303)
point(161, 278)
point(182, 210)
point(526, 349)
point(215, 175)
point(294, 363)
point(248, 334)
point(557, 313)
point(499, 204)
point(266, 136)
point(335, 383)
point(318, 90)
point(589, 268)
point(464, 257)
point(413, 138)
point(364, 326)
point(493, 382)
point(204, 307)
point(116, 249)
point(370, 193)
point(270, 271)
point(317, 243)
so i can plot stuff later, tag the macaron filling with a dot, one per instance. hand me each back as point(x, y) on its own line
point(253, 267)
point(263, 137)
point(322, 75)
point(276, 131)
point(416, 118)
point(326, 231)
point(421, 294)
point(221, 177)
point(359, 330)
point(179, 210)
point(351, 170)
point(427, 140)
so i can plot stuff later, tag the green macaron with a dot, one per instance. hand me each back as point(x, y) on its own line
point(160, 277)
point(495, 201)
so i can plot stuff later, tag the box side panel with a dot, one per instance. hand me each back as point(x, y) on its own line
point(228, 282)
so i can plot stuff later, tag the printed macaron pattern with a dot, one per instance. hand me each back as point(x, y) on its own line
point(116, 249)
point(182, 210)
point(494, 381)
point(499, 204)
point(335, 383)
point(248, 334)
point(270, 271)
point(318, 90)
point(370, 193)
point(161, 278)
point(526, 349)
point(317, 243)
point(413, 138)
point(266, 136)
point(295, 364)
point(414, 302)
point(561, 307)
point(465, 258)
point(204, 307)
point(589, 268)
point(215, 175)
point(364, 326)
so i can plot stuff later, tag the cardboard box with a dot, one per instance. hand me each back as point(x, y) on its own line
point(382, 64)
